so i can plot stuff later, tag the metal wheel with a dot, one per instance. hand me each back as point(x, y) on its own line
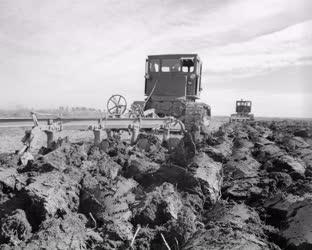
point(116, 105)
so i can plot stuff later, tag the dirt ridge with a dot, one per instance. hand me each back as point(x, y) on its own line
point(245, 186)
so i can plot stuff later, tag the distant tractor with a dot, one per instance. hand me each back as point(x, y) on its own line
point(243, 109)
point(172, 86)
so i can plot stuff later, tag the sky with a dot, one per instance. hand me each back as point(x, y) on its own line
point(79, 53)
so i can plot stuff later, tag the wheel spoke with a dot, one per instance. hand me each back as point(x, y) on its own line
point(114, 100)
point(111, 105)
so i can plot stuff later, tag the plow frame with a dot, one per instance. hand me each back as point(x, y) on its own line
point(51, 126)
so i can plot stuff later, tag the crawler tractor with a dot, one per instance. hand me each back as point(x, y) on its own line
point(172, 86)
point(243, 109)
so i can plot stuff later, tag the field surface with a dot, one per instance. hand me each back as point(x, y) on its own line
point(244, 186)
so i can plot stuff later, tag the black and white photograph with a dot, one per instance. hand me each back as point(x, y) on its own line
point(156, 125)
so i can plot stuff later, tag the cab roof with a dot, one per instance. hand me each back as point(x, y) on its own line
point(169, 56)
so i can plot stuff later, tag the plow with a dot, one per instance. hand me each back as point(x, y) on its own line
point(114, 120)
point(172, 87)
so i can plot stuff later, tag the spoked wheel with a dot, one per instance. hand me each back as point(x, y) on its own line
point(116, 105)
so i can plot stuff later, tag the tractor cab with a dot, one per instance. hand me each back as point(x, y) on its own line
point(243, 107)
point(170, 77)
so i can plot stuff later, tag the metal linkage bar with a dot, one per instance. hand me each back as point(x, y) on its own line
point(29, 122)
point(108, 123)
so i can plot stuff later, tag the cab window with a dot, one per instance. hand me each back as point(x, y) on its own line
point(154, 65)
point(170, 65)
point(187, 64)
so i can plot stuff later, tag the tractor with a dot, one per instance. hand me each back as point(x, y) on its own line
point(243, 109)
point(172, 88)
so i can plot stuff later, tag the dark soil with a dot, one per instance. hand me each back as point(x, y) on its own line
point(247, 186)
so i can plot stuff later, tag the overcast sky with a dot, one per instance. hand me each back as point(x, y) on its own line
point(78, 52)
